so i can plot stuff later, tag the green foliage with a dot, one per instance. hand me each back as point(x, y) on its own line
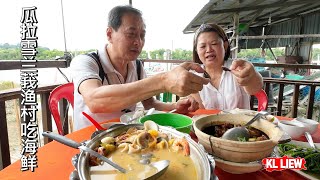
point(251, 53)
point(13, 52)
point(143, 55)
point(7, 85)
point(315, 53)
point(178, 54)
point(182, 54)
point(10, 52)
point(157, 54)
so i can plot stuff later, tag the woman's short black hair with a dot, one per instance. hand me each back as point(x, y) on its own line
point(209, 28)
point(116, 13)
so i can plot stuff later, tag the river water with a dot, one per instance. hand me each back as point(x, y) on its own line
point(46, 76)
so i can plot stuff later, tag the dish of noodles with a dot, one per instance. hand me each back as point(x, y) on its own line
point(135, 149)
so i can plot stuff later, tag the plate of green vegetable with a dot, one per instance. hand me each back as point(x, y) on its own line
point(303, 150)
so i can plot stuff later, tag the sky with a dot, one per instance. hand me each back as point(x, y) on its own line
point(86, 22)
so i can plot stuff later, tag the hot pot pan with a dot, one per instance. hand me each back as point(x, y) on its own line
point(204, 163)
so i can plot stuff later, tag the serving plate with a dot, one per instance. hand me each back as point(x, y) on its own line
point(238, 168)
point(307, 174)
point(124, 118)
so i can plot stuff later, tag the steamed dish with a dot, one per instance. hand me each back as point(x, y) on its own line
point(135, 149)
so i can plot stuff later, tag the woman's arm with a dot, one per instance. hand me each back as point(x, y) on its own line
point(247, 76)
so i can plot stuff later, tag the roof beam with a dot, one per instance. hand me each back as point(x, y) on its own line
point(250, 8)
point(17, 64)
point(280, 36)
point(275, 19)
point(286, 15)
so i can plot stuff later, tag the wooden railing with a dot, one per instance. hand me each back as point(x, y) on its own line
point(44, 92)
point(14, 94)
point(295, 97)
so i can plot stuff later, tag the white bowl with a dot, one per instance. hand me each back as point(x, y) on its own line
point(310, 125)
point(294, 129)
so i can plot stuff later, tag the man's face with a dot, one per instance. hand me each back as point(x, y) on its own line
point(128, 41)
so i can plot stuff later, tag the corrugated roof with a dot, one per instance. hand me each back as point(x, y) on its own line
point(280, 17)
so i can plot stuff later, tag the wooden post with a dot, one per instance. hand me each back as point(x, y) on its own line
point(295, 101)
point(64, 115)
point(280, 99)
point(236, 35)
point(4, 140)
point(311, 101)
point(16, 109)
point(46, 115)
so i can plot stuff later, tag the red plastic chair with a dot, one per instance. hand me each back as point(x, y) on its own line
point(64, 91)
point(262, 100)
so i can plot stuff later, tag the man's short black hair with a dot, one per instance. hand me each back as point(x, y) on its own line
point(116, 13)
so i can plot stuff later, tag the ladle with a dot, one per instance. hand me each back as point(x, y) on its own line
point(94, 122)
point(71, 143)
point(161, 166)
point(238, 133)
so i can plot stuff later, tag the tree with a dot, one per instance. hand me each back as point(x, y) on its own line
point(157, 54)
point(256, 53)
point(143, 55)
point(182, 54)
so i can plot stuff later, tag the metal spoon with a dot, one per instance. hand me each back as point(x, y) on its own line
point(71, 143)
point(161, 166)
point(309, 139)
point(238, 133)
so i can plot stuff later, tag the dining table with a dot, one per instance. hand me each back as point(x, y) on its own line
point(54, 159)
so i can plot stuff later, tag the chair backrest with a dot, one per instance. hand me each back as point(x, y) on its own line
point(262, 100)
point(64, 91)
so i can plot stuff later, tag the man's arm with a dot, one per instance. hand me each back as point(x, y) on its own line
point(110, 98)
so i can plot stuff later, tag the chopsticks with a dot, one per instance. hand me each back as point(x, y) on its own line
point(206, 74)
point(225, 68)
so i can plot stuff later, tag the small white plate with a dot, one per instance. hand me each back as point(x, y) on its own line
point(238, 168)
point(128, 116)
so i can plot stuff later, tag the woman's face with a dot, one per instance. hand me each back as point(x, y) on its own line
point(211, 49)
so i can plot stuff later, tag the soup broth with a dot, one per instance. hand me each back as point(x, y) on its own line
point(181, 167)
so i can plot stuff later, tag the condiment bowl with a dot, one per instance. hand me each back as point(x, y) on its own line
point(311, 126)
point(294, 129)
